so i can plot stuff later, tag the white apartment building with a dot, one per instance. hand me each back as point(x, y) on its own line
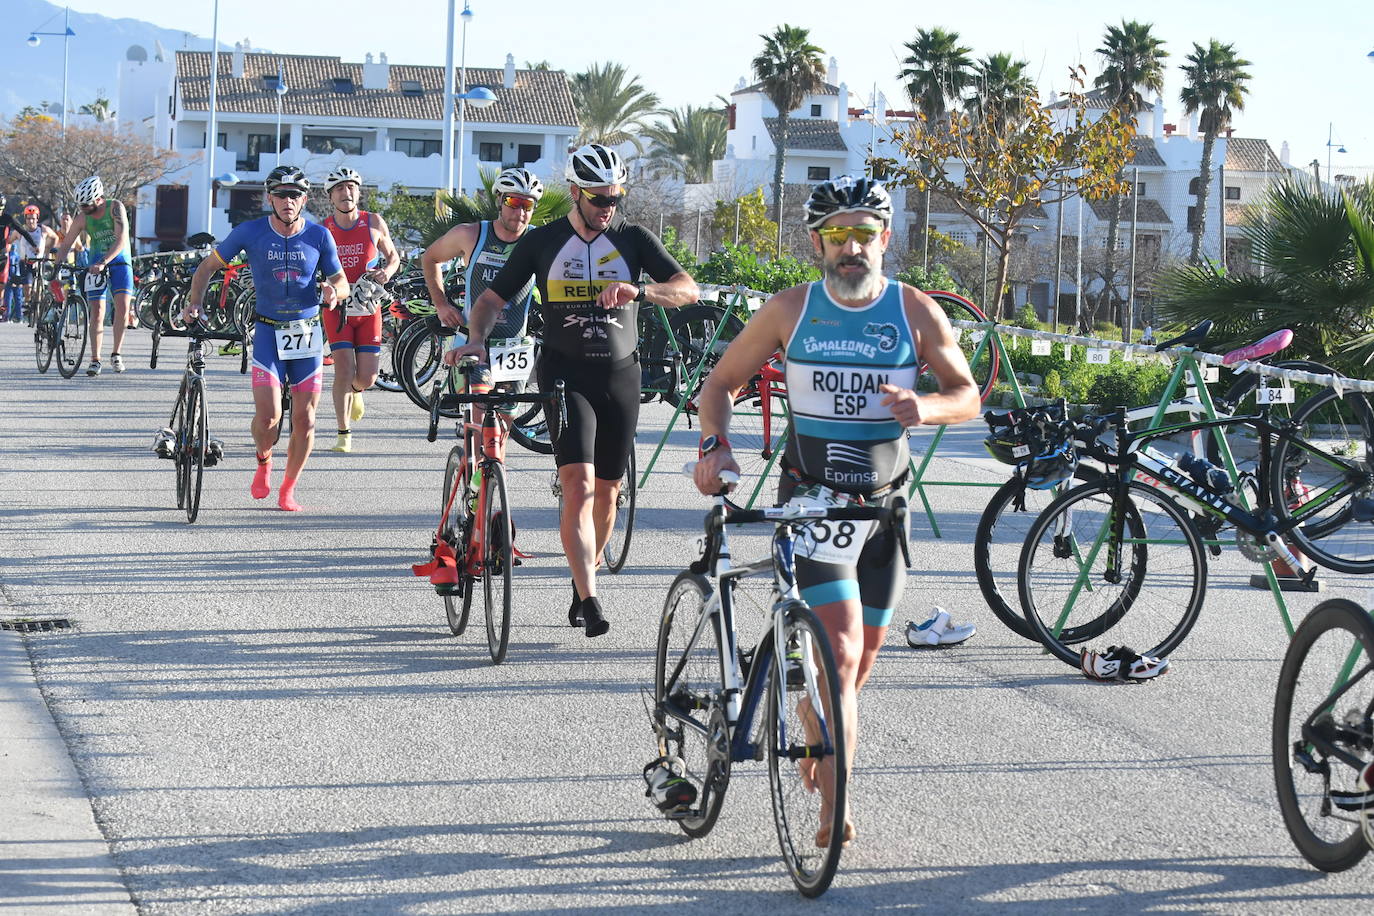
point(384, 120)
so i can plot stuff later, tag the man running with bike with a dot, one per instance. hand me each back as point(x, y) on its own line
point(852, 342)
point(111, 272)
point(587, 270)
point(284, 252)
point(355, 334)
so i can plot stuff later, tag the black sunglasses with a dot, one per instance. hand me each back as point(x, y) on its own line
point(602, 200)
point(288, 195)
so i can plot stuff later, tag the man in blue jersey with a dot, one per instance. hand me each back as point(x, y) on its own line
point(853, 343)
point(284, 253)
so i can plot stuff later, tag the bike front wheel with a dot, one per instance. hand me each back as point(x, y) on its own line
point(71, 334)
point(454, 533)
point(808, 769)
point(618, 547)
point(1323, 738)
point(197, 426)
point(688, 677)
point(1080, 580)
point(43, 342)
point(498, 558)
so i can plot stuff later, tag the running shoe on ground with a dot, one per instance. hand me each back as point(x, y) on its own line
point(1120, 663)
point(164, 443)
point(344, 443)
point(937, 631)
point(671, 793)
point(117, 362)
point(329, 360)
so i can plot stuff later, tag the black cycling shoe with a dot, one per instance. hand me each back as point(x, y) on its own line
point(593, 620)
point(575, 609)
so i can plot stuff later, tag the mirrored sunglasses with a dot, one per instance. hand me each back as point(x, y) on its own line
point(517, 203)
point(839, 235)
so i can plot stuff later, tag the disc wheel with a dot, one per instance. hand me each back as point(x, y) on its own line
point(688, 676)
point(618, 546)
point(806, 732)
point(498, 559)
point(1322, 738)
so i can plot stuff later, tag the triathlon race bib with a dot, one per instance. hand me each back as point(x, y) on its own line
point(512, 358)
point(96, 283)
point(829, 540)
point(299, 339)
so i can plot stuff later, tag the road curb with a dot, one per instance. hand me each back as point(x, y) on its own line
point(55, 859)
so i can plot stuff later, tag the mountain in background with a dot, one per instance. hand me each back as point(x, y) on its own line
point(34, 75)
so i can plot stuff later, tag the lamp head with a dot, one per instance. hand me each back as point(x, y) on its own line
point(479, 97)
point(34, 41)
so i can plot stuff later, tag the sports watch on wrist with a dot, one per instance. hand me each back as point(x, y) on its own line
point(639, 296)
point(711, 444)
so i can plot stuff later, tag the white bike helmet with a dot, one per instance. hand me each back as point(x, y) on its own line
point(339, 176)
point(594, 165)
point(518, 181)
point(90, 191)
point(848, 194)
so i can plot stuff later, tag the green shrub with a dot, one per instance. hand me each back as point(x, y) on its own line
point(1026, 318)
point(937, 277)
point(739, 264)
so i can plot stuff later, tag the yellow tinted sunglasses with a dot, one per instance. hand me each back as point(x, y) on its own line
point(839, 235)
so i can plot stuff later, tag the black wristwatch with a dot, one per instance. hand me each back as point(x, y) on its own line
point(639, 297)
point(711, 444)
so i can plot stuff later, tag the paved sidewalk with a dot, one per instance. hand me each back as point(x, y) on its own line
point(53, 858)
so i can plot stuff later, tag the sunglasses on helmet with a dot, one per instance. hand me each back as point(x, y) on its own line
point(602, 200)
point(517, 203)
point(839, 235)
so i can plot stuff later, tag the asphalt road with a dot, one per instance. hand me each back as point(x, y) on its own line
point(268, 714)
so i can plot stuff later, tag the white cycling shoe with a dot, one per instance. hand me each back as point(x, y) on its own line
point(938, 631)
point(1120, 663)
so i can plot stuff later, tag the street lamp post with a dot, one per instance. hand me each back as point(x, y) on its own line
point(281, 91)
point(211, 134)
point(1329, 144)
point(66, 35)
point(477, 97)
point(462, 96)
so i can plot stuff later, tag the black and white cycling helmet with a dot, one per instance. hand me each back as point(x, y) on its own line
point(519, 181)
point(594, 165)
point(286, 176)
point(1052, 468)
point(848, 194)
point(89, 191)
point(339, 176)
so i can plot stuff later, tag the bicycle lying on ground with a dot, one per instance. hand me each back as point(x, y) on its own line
point(1323, 735)
point(717, 704)
point(186, 438)
point(475, 540)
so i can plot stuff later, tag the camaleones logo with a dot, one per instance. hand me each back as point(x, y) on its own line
point(885, 332)
point(832, 347)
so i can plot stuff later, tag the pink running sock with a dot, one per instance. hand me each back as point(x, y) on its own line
point(286, 499)
point(262, 483)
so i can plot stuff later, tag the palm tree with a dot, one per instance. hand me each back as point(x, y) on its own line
point(1315, 254)
point(689, 142)
point(99, 109)
point(611, 105)
point(937, 72)
point(789, 68)
point(1003, 86)
point(485, 205)
point(1214, 84)
point(1132, 59)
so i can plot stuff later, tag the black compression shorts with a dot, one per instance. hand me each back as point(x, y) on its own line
point(602, 404)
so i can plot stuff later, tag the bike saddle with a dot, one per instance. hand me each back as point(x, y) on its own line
point(201, 240)
point(1260, 348)
point(1193, 338)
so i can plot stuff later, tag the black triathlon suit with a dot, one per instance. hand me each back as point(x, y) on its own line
point(592, 349)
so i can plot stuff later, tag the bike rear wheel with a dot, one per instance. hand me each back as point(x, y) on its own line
point(688, 677)
point(197, 426)
point(803, 737)
point(498, 559)
point(1077, 584)
point(179, 425)
point(418, 352)
point(618, 547)
point(1321, 712)
point(43, 341)
point(984, 363)
point(455, 533)
point(1327, 480)
point(702, 332)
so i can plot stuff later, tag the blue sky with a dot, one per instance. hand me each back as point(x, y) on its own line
point(1310, 64)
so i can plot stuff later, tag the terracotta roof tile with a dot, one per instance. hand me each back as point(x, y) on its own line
point(1246, 154)
point(1146, 154)
point(808, 133)
point(1149, 211)
point(538, 97)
